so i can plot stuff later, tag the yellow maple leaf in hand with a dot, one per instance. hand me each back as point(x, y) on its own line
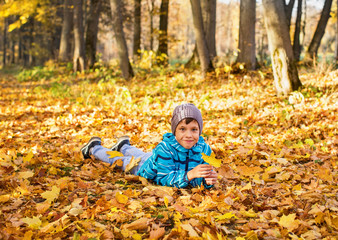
point(50, 196)
point(212, 160)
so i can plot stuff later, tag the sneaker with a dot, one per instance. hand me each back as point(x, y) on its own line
point(92, 142)
point(120, 142)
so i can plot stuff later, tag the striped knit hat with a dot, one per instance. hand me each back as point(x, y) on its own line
point(183, 111)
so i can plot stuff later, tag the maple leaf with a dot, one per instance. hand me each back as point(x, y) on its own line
point(28, 157)
point(113, 154)
point(212, 160)
point(50, 196)
point(228, 215)
point(26, 174)
point(121, 198)
point(133, 163)
point(33, 222)
point(289, 221)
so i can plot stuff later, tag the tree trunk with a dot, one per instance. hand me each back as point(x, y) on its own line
point(92, 30)
point(201, 42)
point(4, 42)
point(67, 26)
point(126, 68)
point(246, 43)
point(288, 11)
point(320, 30)
point(151, 4)
point(163, 34)
point(336, 51)
point(296, 40)
point(208, 8)
point(284, 67)
point(137, 29)
point(79, 59)
point(209, 23)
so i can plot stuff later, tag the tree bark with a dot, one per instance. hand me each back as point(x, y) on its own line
point(209, 23)
point(137, 29)
point(246, 43)
point(320, 30)
point(163, 34)
point(208, 8)
point(288, 11)
point(336, 50)
point(126, 68)
point(79, 59)
point(201, 42)
point(92, 30)
point(4, 43)
point(284, 67)
point(67, 25)
point(296, 39)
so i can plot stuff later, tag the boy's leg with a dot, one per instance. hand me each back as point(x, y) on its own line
point(100, 153)
point(131, 151)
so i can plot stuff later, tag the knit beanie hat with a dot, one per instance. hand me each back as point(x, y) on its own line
point(183, 111)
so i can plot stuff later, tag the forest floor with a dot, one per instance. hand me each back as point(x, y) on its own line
point(277, 180)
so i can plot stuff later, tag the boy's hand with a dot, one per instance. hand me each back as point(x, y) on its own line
point(211, 179)
point(202, 170)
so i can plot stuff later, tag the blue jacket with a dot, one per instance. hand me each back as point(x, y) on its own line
point(169, 163)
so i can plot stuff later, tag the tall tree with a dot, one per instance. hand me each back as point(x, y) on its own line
point(4, 43)
point(208, 8)
point(79, 58)
point(202, 48)
point(92, 31)
point(126, 68)
point(296, 37)
point(209, 23)
point(320, 30)
point(246, 42)
point(336, 50)
point(67, 26)
point(137, 29)
point(288, 11)
point(163, 33)
point(151, 8)
point(285, 71)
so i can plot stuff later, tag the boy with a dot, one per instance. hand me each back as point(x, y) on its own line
point(176, 161)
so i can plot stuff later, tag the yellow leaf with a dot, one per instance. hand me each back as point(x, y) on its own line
point(297, 187)
point(228, 215)
point(212, 160)
point(28, 235)
point(4, 198)
point(187, 227)
point(133, 163)
point(26, 174)
point(53, 171)
point(246, 187)
point(34, 222)
point(121, 198)
point(289, 221)
point(28, 157)
point(166, 201)
point(249, 213)
point(113, 154)
point(136, 236)
point(50, 196)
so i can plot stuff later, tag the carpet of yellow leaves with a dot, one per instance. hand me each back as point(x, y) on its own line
point(277, 177)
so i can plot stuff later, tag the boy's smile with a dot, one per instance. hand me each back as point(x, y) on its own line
point(187, 134)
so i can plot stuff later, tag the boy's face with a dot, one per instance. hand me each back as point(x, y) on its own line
point(187, 134)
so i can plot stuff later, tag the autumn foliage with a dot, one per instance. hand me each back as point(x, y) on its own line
point(276, 157)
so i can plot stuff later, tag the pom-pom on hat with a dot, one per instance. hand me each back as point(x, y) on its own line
point(183, 111)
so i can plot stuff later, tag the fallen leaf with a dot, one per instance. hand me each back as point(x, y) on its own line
point(133, 163)
point(33, 222)
point(50, 196)
point(212, 160)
